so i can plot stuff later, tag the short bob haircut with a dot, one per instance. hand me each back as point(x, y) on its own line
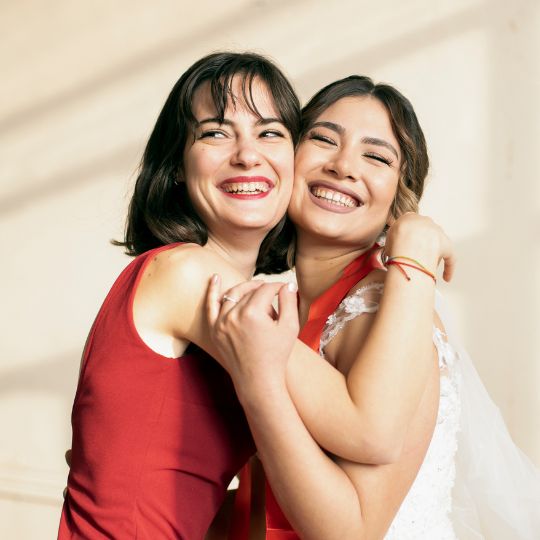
point(407, 130)
point(160, 211)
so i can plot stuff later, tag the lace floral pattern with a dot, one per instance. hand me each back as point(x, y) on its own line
point(425, 512)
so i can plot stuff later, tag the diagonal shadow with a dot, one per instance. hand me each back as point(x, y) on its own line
point(406, 44)
point(72, 178)
point(57, 375)
point(142, 62)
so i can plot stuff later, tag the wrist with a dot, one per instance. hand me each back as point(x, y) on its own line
point(423, 247)
point(260, 391)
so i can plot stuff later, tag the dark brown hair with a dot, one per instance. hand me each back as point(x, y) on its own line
point(407, 130)
point(160, 211)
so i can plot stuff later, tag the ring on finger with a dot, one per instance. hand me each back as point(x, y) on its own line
point(229, 298)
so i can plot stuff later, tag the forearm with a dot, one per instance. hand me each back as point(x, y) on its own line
point(316, 495)
point(387, 380)
point(364, 416)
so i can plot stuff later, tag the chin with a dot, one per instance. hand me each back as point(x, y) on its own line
point(255, 223)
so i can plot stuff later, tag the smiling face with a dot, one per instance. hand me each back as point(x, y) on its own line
point(239, 172)
point(346, 174)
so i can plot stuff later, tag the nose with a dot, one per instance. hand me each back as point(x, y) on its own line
point(246, 154)
point(343, 166)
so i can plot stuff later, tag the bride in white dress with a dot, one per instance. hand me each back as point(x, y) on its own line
point(451, 470)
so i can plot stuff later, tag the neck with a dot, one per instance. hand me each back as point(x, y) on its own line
point(239, 250)
point(319, 264)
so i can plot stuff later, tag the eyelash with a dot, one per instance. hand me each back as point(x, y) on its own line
point(377, 157)
point(211, 133)
point(318, 137)
point(274, 132)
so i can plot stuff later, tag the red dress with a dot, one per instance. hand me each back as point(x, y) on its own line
point(156, 440)
point(277, 525)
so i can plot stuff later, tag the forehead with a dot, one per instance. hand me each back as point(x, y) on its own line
point(242, 96)
point(364, 115)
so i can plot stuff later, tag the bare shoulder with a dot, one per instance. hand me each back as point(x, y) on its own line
point(189, 267)
point(184, 264)
point(343, 349)
point(172, 290)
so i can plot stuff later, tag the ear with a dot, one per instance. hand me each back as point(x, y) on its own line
point(179, 176)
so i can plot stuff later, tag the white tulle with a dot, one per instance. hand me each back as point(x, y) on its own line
point(496, 494)
point(474, 482)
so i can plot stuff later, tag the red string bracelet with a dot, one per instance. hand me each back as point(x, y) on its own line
point(400, 264)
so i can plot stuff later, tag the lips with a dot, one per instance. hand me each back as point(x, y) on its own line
point(247, 187)
point(334, 197)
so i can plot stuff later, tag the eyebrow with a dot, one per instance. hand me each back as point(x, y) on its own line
point(340, 130)
point(380, 142)
point(226, 122)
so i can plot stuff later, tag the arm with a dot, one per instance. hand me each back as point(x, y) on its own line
point(323, 499)
point(363, 416)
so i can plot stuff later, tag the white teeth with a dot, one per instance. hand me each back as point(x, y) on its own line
point(246, 187)
point(339, 199)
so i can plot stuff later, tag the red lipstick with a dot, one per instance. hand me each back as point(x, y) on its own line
point(247, 187)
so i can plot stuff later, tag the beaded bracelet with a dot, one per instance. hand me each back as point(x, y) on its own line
point(400, 264)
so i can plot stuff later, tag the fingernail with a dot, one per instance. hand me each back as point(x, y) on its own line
point(215, 278)
point(292, 287)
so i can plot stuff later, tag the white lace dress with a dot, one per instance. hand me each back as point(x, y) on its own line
point(425, 512)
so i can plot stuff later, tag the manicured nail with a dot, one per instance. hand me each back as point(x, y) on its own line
point(292, 287)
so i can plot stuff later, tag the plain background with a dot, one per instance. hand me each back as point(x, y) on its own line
point(82, 84)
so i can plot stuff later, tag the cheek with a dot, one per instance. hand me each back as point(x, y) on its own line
point(284, 163)
point(201, 163)
point(385, 189)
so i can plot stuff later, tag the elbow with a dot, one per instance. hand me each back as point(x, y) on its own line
point(382, 447)
point(386, 455)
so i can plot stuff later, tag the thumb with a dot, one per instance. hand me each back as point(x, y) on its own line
point(213, 295)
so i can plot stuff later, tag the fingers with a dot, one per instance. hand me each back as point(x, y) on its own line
point(220, 304)
point(238, 295)
point(67, 457)
point(261, 300)
point(449, 267)
point(288, 306)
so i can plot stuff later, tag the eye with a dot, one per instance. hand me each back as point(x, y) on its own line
point(316, 136)
point(378, 157)
point(272, 133)
point(212, 134)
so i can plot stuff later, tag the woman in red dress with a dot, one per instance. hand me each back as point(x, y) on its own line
point(158, 433)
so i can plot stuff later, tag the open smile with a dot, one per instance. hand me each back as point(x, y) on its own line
point(247, 187)
point(331, 198)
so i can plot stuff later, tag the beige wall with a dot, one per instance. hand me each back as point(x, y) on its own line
point(82, 84)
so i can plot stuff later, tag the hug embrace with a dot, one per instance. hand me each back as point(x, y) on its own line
point(369, 421)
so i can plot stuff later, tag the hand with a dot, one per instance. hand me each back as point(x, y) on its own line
point(253, 340)
point(420, 237)
point(67, 456)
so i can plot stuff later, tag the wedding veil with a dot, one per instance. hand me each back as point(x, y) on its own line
point(496, 495)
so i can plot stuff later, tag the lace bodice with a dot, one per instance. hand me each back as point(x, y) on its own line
point(425, 512)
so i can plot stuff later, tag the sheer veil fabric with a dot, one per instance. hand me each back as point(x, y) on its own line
point(496, 495)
